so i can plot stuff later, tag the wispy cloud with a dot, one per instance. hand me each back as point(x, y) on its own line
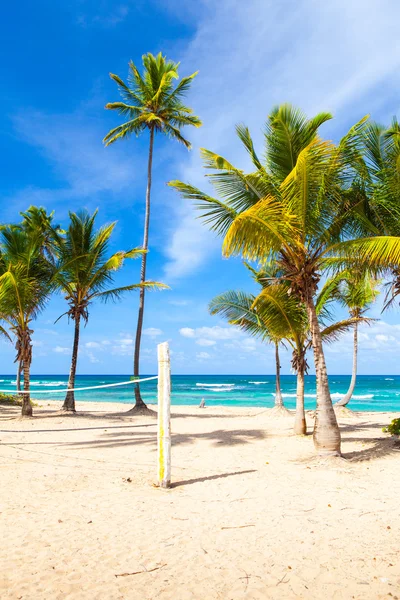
point(108, 17)
point(331, 55)
point(72, 145)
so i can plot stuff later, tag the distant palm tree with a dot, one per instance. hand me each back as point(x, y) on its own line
point(26, 282)
point(85, 273)
point(277, 317)
point(238, 308)
point(356, 291)
point(151, 103)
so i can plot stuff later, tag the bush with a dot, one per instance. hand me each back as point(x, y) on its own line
point(393, 428)
point(13, 400)
point(9, 399)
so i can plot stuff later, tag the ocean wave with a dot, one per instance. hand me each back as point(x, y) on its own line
point(215, 385)
point(388, 379)
point(285, 395)
point(49, 384)
point(218, 389)
point(337, 395)
point(259, 382)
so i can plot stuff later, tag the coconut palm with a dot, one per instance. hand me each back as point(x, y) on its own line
point(277, 317)
point(356, 291)
point(85, 273)
point(294, 208)
point(26, 282)
point(153, 104)
point(237, 307)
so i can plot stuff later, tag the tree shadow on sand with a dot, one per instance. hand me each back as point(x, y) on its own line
point(219, 437)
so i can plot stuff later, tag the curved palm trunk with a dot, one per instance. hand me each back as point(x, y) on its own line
point(326, 429)
point(69, 402)
point(300, 425)
point(278, 391)
point(26, 401)
point(347, 397)
point(138, 398)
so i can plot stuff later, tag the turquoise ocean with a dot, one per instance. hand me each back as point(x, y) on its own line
point(372, 393)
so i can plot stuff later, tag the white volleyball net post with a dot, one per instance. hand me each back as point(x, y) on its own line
point(164, 417)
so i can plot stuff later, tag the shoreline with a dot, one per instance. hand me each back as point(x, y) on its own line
point(153, 405)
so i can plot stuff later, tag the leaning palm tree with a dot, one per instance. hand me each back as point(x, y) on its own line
point(85, 273)
point(293, 208)
point(151, 103)
point(26, 282)
point(356, 291)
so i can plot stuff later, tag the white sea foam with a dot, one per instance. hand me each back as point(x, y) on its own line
point(215, 385)
point(294, 395)
point(49, 384)
point(259, 382)
point(388, 379)
point(355, 396)
point(335, 396)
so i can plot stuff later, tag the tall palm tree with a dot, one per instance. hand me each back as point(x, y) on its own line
point(26, 282)
point(293, 208)
point(85, 273)
point(151, 102)
point(356, 291)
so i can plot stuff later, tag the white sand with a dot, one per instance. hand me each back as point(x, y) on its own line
point(253, 514)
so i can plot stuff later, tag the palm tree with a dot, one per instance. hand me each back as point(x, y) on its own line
point(356, 291)
point(293, 209)
point(238, 309)
point(275, 316)
point(26, 282)
point(85, 274)
point(151, 103)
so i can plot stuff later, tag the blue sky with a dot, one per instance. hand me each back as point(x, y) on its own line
point(334, 55)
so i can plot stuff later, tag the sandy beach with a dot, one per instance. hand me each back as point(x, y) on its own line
point(252, 513)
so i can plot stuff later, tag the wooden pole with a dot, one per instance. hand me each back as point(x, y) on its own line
point(164, 417)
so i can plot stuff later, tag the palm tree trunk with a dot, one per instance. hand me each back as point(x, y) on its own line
point(136, 360)
point(19, 369)
point(278, 392)
point(69, 402)
point(300, 425)
point(347, 397)
point(326, 429)
point(19, 377)
point(26, 401)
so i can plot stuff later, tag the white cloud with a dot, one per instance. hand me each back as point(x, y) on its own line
point(62, 350)
point(339, 60)
point(152, 332)
point(178, 302)
point(203, 356)
point(187, 332)
point(104, 19)
point(37, 343)
point(92, 345)
point(212, 333)
point(384, 338)
point(93, 358)
point(205, 342)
